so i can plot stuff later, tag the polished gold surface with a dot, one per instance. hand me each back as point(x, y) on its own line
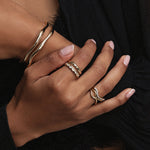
point(36, 43)
point(73, 69)
point(95, 95)
point(39, 48)
point(76, 66)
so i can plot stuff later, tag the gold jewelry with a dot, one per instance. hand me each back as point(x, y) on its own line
point(92, 93)
point(36, 42)
point(78, 69)
point(95, 95)
point(72, 69)
point(40, 47)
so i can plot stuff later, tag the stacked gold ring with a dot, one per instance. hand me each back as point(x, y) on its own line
point(95, 95)
point(74, 68)
point(75, 65)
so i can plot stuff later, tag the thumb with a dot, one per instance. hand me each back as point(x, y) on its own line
point(50, 63)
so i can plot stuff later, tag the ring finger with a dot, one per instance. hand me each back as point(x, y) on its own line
point(109, 82)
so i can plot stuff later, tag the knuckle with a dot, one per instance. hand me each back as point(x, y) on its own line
point(54, 59)
point(69, 101)
point(105, 88)
point(103, 66)
point(63, 92)
point(55, 85)
point(100, 69)
point(104, 110)
point(119, 100)
point(85, 55)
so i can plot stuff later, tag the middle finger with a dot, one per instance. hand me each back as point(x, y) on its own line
point(98, 69)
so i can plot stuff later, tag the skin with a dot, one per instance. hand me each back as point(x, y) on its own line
point(41, 9)
point(56, 110)
point(63, 110)
point(24, 29)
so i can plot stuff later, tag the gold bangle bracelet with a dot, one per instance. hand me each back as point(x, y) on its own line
point(39, 48)
point(36, 42)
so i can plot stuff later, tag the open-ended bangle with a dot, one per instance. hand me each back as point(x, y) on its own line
point(40, 47)
point(36, 42)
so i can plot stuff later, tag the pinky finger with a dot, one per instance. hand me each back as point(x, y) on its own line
point(110, 104)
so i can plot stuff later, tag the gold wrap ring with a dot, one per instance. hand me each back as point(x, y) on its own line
point(95, 95)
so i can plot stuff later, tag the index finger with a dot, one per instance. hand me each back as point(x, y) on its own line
point(82, 59)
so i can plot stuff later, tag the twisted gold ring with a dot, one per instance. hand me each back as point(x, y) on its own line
point(95, 95)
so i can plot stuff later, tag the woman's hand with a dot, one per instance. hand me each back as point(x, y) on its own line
point(50, 99)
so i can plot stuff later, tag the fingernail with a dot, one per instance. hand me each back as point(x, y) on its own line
point(130, 93)
point(111, 44)
point(127, 60)
point(93, 41)
point(67, 50)
point(88, 41)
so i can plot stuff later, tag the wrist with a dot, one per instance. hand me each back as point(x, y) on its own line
point(19, 34)
point(29, 35)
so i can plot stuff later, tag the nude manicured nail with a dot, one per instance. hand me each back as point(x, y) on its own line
point(127, 60)
point(111, 44)
point(67, 50)
point(91, 40)
point(130, 93)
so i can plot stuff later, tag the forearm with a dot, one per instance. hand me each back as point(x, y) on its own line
point(18, 30)
point(19, 34)
point(28, 34)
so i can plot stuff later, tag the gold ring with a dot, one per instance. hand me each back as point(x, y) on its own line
point(75, 65)
point(95, 95)
point(74, 68)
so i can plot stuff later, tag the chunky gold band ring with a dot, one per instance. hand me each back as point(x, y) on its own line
point(77, 68)
point(95, 95)
point(74, 68)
